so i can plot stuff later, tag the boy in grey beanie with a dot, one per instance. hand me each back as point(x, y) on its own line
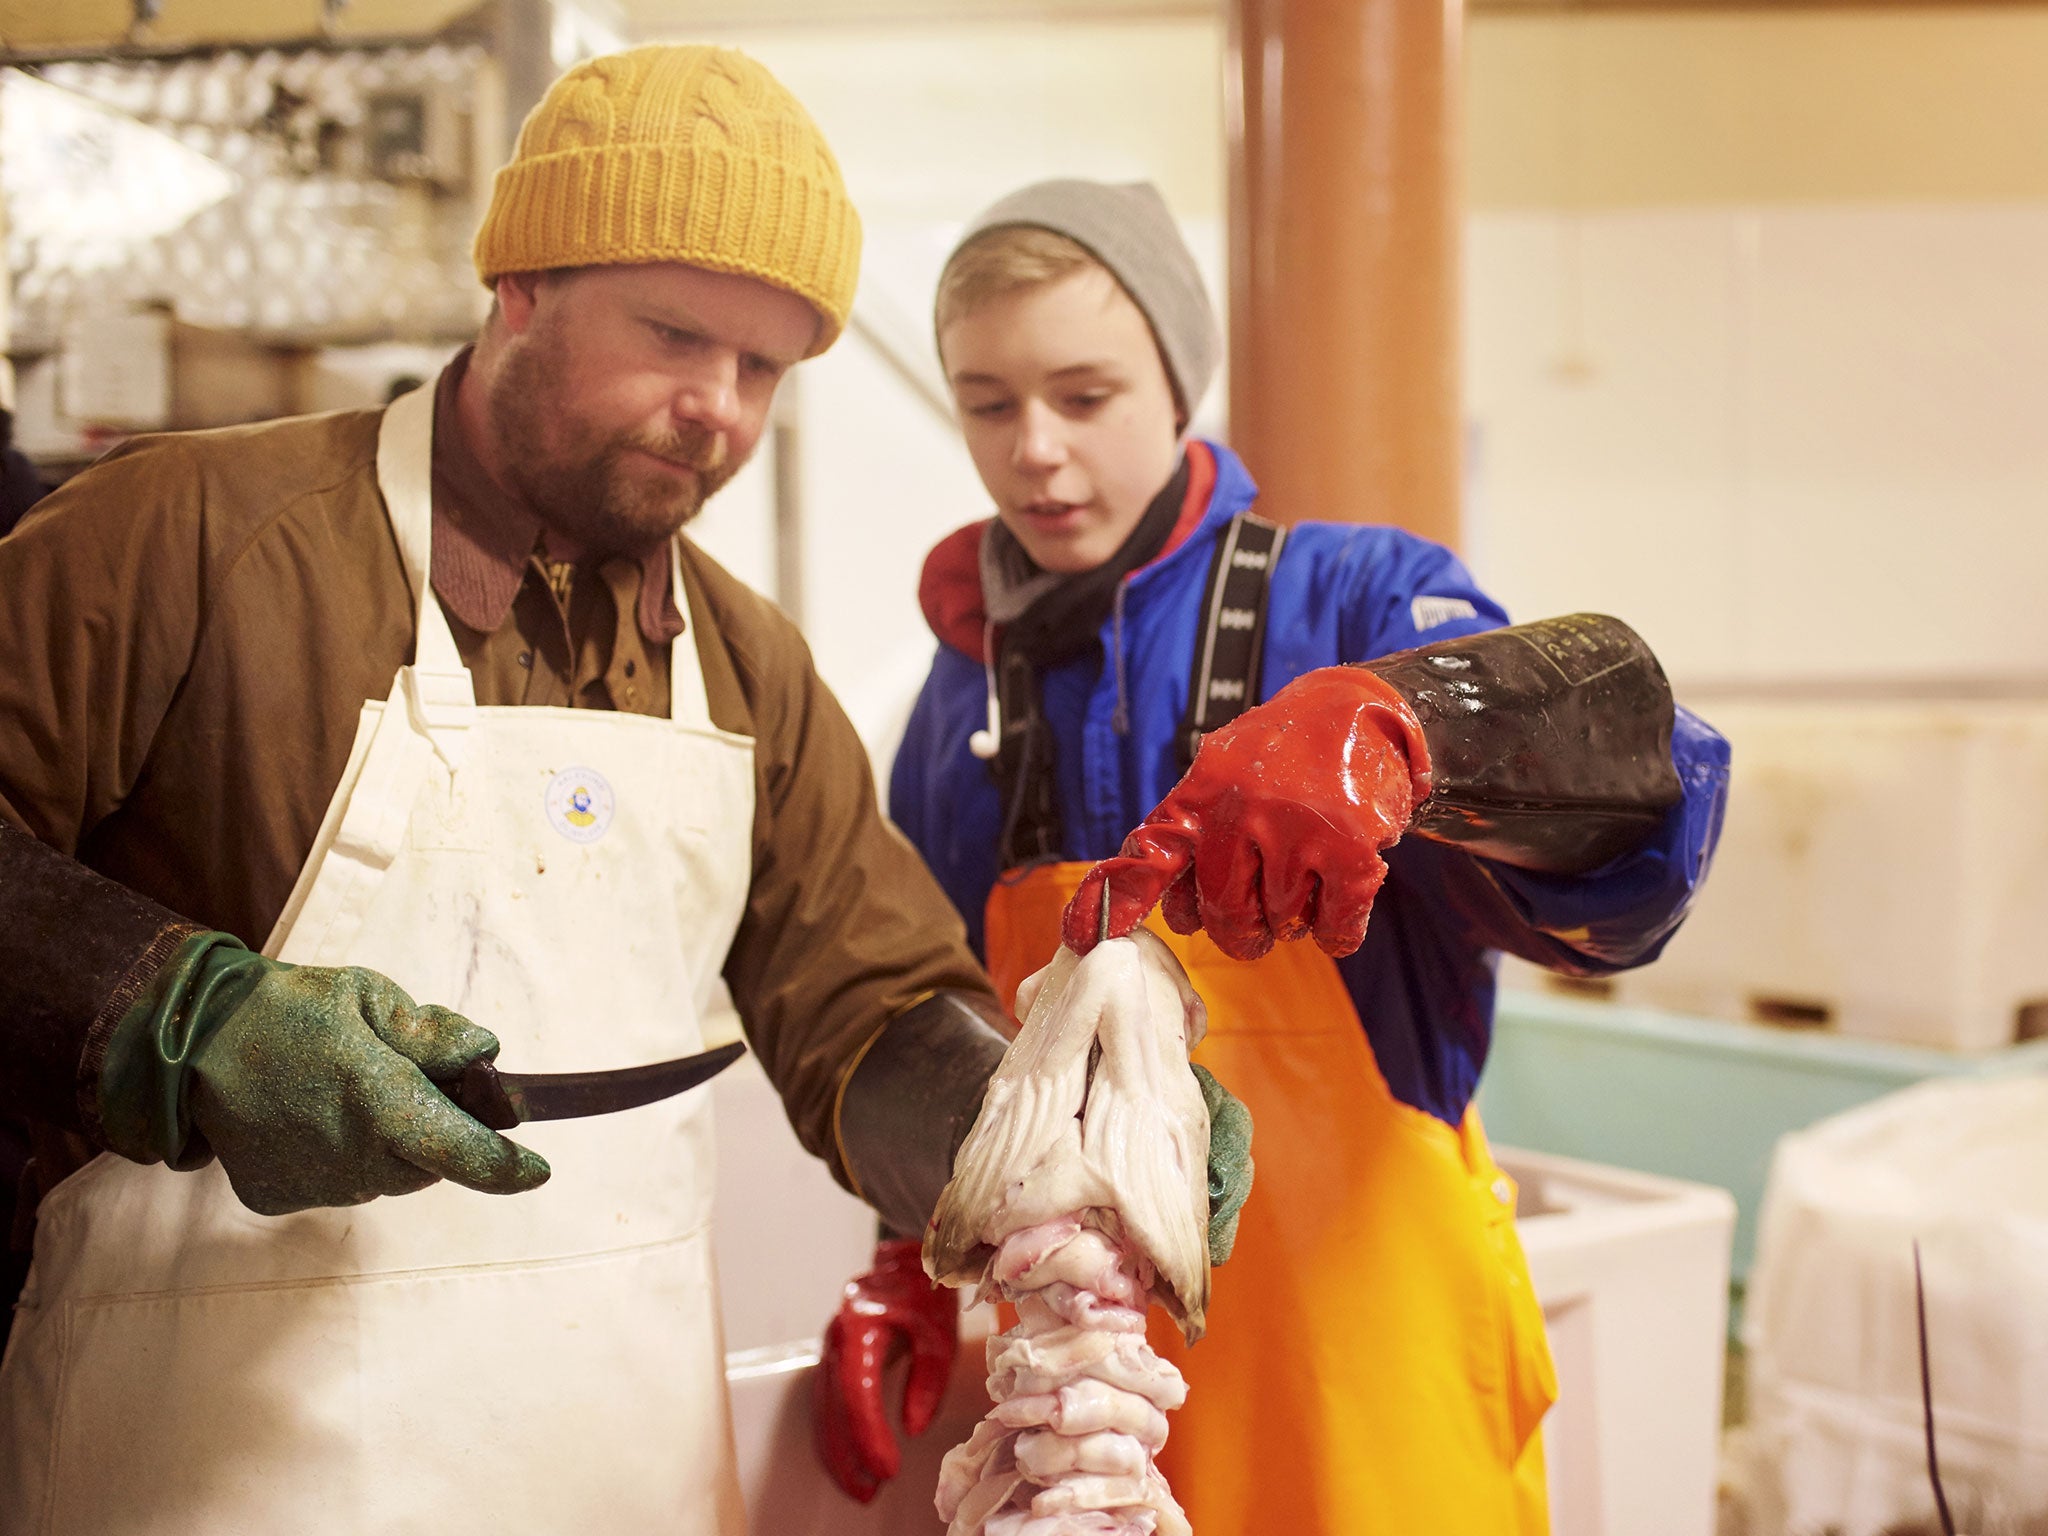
point(1377, 1361)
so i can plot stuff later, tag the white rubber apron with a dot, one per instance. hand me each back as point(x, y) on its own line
point(447, 1361)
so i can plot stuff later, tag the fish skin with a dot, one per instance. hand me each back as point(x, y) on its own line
point(1146, 1129)
point(967, 1464)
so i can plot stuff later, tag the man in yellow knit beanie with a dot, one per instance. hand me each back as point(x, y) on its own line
point(342, 755)
point(650, 190)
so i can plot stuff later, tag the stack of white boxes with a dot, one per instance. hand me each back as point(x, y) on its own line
point(1883, 873)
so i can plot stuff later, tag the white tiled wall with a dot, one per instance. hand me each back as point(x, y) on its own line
point(1791, 442)
point(1789, 439)
point(1785, 442)
point(1600, 385)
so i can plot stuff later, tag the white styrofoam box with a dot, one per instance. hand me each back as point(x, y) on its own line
point(1836, 1431)
point(1632, 1271)
point(787, 1490)
point(1692, 1098)
point(1883, 871)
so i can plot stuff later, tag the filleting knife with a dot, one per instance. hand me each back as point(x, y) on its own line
point(502, 1100)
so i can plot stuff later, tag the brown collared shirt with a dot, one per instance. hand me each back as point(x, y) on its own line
point(591, 635)
point(189, 629)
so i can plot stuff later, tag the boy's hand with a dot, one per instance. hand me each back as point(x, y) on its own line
point(1276, 831)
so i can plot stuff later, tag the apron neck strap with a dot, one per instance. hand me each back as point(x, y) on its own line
point(688, 703)
point(405, 475)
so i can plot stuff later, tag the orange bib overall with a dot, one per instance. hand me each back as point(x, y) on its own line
point(1375, 1363)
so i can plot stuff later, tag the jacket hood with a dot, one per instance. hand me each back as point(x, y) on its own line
point(949, 589)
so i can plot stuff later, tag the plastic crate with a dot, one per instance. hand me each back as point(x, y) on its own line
point(1689, 1098)
point(1632, 1271)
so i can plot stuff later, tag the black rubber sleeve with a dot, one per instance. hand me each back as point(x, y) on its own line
point(1549, 743)
point(912, 1100)
point(76, 951)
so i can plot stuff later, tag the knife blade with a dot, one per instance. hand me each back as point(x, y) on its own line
point(502, 1100)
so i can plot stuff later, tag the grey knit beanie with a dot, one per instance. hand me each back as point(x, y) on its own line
point(1130, 230)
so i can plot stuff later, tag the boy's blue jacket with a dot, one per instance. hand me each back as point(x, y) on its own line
point(1423, 981)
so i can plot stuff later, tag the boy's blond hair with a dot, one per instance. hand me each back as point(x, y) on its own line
point(1005, 260)
point(1012, 258)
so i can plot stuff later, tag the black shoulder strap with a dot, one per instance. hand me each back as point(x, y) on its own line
point(1226, 677)
point(1023, 767)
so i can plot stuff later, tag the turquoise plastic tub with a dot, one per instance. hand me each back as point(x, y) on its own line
point(1690, 1098)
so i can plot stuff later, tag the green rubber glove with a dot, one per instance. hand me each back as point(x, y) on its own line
point(310, 1085)
point(1230, 1162)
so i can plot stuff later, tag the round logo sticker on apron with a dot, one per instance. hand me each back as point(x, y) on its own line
point(579, 802)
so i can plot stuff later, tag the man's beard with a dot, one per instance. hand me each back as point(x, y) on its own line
point(596, 490)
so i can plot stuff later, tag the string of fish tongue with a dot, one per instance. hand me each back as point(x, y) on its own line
point(1081, 1195)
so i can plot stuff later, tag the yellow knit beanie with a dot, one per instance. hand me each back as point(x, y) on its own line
point(677, 153)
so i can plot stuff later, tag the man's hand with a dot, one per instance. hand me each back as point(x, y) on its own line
point(316, 1091)
point(1230, 1162)
point(890, 1309)
point(311, 1085)
point(1277, 830)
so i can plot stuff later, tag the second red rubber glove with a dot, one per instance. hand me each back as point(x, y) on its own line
point(1277, 830)
point(891, 1309)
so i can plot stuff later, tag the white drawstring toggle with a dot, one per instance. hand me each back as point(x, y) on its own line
point(985, 744)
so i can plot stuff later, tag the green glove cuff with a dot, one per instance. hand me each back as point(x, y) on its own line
point(146, 1074)
point(1230, 1162)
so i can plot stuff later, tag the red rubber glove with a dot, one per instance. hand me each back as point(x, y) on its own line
point(890, 1308)
point(1276, 831)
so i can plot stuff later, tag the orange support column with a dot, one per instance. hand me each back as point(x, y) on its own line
point(1344, 242)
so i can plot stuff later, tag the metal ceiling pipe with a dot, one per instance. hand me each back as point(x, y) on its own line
point(525, 53)
point(1344, 252)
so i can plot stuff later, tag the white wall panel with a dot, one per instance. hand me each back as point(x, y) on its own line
point(1897, 406)
point(884, 479)
point(1601, 385)
point(737, 526)
point(1787, 442)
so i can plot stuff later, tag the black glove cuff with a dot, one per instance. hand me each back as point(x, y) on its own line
point(1549, 743)
point(76, 951)
point(911, 1101)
